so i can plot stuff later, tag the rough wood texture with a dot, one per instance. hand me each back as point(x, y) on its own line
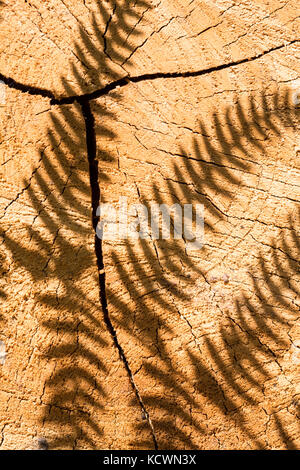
point(143, 344)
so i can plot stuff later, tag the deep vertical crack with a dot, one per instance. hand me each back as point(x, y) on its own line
point(95, 200)
point(121, 82)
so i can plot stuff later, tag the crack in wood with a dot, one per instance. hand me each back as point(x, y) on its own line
point(95, 196)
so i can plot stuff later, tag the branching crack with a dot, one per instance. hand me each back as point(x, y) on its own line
point(31, 90)
point(154, 76)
